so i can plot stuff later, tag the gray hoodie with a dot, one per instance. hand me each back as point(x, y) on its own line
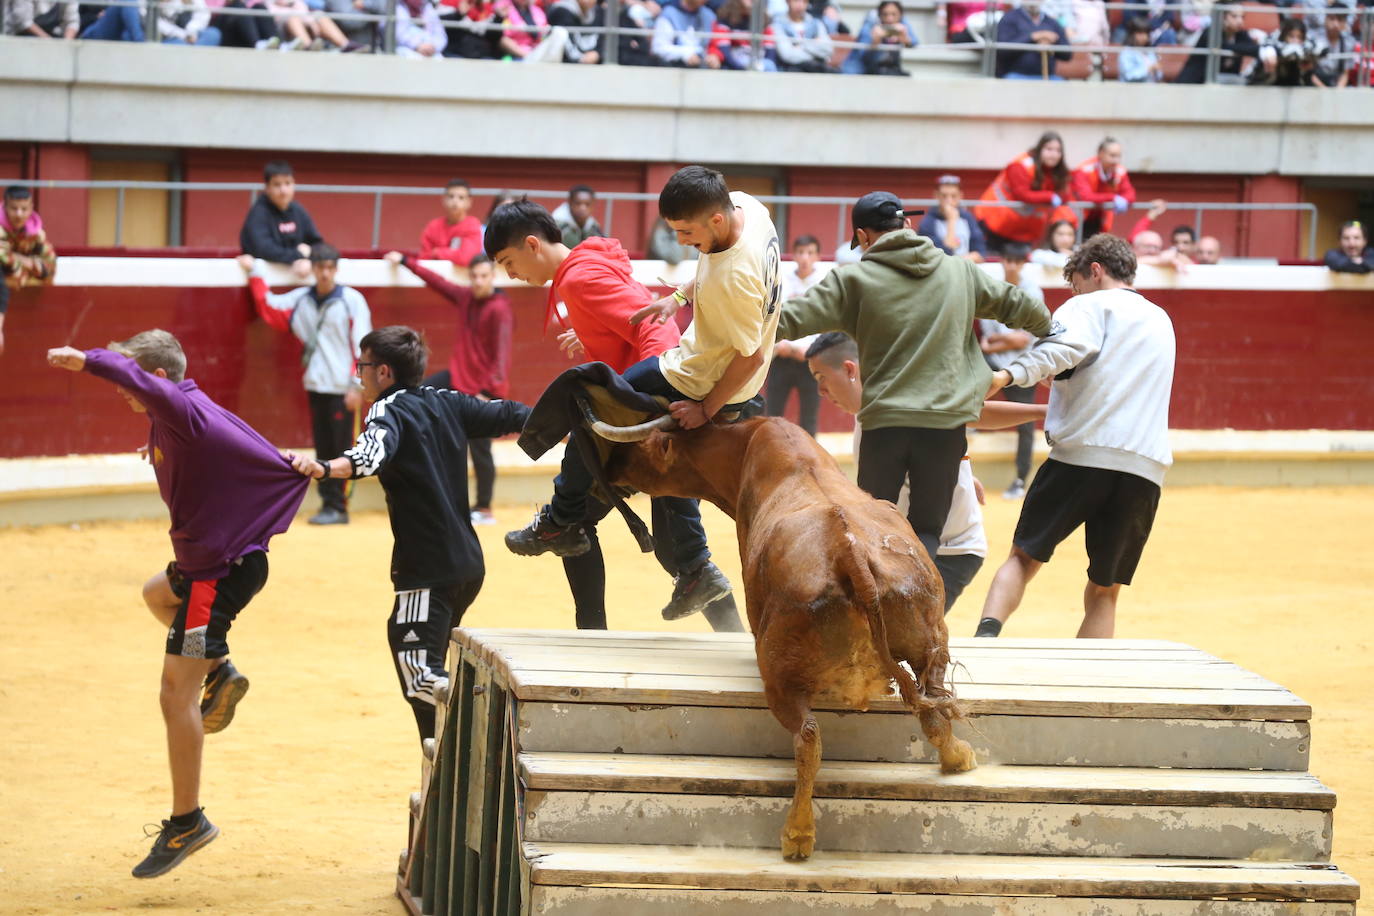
point(1112, 410)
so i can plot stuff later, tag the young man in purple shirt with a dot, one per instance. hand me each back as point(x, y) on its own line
point(228, 491)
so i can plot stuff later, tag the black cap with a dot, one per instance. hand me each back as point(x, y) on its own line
point(874, 209)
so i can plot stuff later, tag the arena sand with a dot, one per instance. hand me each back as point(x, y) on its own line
point(310, 783)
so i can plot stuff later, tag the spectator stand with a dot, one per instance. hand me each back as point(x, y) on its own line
point(607, 200)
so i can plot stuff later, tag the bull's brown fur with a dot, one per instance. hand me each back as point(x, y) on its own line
point(837, 587)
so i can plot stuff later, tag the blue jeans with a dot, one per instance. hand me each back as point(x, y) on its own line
point(210, 37)
point(1030, 76)
point(117, 23)
point(571, 486)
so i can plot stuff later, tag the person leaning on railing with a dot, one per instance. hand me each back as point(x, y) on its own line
point(682, 36)
point(1354, 256)
point(804, 44)
point(1027, 195)
point(1234, 38)
point(735, 51)
point(1336, 49)
point(1028, 24)
point(419, 32)
point(39, 19)
point(887, 39)
point(1287, 58)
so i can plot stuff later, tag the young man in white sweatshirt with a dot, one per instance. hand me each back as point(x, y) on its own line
point(1111, 354)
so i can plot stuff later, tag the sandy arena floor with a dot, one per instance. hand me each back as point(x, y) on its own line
point(310, 783)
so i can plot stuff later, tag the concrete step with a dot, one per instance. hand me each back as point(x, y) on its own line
point(577, 879)
point(913, 808)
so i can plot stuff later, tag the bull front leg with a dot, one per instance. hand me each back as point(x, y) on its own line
point(799, 831)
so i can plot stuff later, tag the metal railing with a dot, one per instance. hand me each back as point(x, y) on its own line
point(985, 46)
point(842, 205)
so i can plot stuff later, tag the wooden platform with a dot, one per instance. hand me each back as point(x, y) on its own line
point(611, 773)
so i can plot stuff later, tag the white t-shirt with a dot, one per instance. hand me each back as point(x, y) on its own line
point(736, 309)
point(963, 532)
point(793, 286)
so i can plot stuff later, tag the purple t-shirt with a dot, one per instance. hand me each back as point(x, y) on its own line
point(227, 488)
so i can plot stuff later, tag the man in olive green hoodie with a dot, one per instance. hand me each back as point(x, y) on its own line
point(911, 307)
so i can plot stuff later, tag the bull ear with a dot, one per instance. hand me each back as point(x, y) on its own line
point(661, 452)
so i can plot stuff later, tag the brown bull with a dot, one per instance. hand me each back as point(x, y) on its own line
point(837, 587)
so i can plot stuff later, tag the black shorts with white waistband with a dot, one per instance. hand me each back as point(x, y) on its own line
point(1116, 508)
point(209, 606)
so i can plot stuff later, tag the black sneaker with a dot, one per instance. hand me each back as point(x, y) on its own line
point(173, 844)
point(224, 687)
point(544, 535)
point(693, 591)
point(329, 517)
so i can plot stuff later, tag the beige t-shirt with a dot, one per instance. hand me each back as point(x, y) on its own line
point(735, 309)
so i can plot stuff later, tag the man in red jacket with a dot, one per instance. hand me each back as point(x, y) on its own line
point(1103, 180)
point(595, 283)
point(455, 236)
point(480, 362)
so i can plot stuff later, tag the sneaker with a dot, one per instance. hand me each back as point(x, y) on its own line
point(543, 535)
point(354, 47)
point(693, 591)
point(173, 844)
point(483, 517)
point(224, 687)
point(268, 44)
point(1016, 490)
point(329, 516)
point(291, 45)
point(316, 45)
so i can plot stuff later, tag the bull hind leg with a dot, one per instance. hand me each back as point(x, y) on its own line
point(799, 830)
point(956, 754)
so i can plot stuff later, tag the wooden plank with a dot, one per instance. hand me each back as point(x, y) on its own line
point(618, 901)
point(1038, 672)
point(479, 636)
point(977, 699)
point(477, 768)
point(924, 781)
point(716, 643)
point(1013, 740)
point(460, 696)
point(488, 850)
point(765, 870)
point(981, 828)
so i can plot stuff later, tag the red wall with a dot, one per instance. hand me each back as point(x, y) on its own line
point(1247, 360)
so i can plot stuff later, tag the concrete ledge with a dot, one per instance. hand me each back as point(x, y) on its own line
point(159, 95)
point(78, 488)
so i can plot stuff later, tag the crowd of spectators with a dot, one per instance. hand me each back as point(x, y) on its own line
point(1316, 45)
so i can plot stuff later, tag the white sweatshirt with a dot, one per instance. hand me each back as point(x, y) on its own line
point(1112, 411)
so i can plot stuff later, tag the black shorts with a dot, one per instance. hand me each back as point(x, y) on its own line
point(208, 606)
point(1117, 510)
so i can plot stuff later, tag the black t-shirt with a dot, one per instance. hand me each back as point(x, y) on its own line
point(416, 443)
point(273, 234)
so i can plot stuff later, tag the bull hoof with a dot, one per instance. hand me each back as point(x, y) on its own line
point(797, 847)
point(957, 757)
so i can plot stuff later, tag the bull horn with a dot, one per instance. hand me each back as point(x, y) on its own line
point(636, 433)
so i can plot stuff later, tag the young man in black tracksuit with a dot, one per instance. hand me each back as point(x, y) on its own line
point(416, 442)
point(277, 228)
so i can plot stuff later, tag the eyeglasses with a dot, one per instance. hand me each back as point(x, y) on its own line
point(363, 365)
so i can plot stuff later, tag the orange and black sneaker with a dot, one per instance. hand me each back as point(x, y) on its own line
point(544, 535)
point(224, 687)
point(174, 843)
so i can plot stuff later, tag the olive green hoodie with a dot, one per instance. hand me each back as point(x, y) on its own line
point(911, 307)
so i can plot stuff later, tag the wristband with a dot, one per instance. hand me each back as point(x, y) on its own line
point(681, 299)
point(324, 466)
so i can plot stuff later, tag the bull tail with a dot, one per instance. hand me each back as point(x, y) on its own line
point(930, 693)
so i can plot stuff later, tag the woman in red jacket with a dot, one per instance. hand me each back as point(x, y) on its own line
point(1036, 186)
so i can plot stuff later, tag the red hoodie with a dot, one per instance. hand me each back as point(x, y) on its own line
point(598, 287)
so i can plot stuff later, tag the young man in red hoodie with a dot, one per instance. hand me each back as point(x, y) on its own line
point(595, 283)
point(455, 236)
point(480, 362)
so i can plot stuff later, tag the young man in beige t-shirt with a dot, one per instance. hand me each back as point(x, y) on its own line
point(721, 361)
